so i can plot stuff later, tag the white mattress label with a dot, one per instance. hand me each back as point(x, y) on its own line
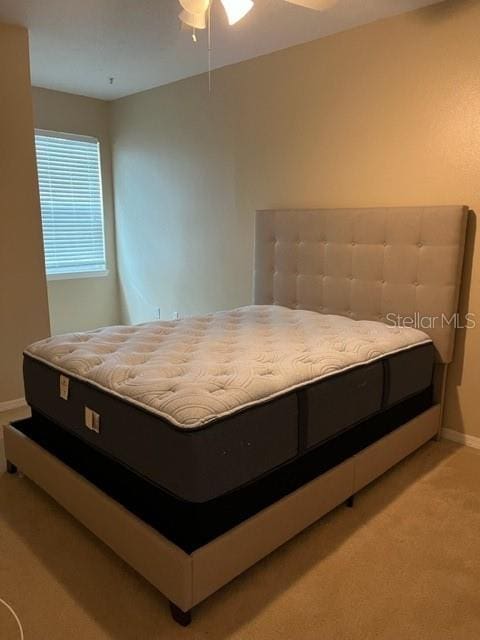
point(64, 387)
point(92, 420)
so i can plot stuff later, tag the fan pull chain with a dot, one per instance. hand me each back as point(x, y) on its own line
point(209, 19)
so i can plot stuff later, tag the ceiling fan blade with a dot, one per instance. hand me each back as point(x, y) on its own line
point(316, 5)
point(236, 9)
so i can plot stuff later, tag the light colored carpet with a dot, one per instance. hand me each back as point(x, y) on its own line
point(403, 564)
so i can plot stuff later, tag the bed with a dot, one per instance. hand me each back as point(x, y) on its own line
point(250, 403)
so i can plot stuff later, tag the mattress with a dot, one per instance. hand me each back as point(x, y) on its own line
point(205, 405)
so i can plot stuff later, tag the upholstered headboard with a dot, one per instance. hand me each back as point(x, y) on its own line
point(365, 263)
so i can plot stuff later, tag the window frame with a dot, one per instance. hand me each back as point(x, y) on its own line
point(77, 275)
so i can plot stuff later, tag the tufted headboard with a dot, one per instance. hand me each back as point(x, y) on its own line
point(373, 264)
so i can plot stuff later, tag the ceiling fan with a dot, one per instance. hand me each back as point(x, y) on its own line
point(195, 13)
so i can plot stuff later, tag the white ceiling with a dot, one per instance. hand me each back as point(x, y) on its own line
point(77, 45)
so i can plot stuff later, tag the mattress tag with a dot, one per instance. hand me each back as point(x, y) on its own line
point(92, 420)
point(64, 387)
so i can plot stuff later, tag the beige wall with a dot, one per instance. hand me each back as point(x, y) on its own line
point(82, 303)
point(23, 295)
point(386, 114)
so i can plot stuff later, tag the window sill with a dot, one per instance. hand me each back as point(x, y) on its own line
point(79, 275)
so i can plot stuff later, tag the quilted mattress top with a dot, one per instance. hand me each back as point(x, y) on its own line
point(197, 370)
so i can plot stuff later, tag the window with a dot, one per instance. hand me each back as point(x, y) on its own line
point(71, 202)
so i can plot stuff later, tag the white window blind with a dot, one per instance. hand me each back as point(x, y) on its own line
point(71, 202)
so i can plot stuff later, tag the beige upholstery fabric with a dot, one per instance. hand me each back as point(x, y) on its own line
point(188, 580)
point(365, 264)
point(157, 559)
point(226, 557)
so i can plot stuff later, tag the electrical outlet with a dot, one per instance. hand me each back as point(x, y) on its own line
point(176, 315)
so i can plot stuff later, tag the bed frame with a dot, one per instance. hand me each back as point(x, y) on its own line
point(364, 263)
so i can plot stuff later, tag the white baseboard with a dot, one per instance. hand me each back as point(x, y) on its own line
point(12, 404)
point(461, 438)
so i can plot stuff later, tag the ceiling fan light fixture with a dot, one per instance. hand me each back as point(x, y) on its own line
point(195, 6)
point(236, 9)
point(316, 5)
point(194, 20)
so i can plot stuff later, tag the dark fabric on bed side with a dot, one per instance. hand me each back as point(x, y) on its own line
point(193, 465)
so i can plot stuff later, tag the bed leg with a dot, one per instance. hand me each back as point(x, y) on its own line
point(11, 468)
point(351, 502)
point(183, 618)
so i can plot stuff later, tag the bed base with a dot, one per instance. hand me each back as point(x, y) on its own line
point(186, 580)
